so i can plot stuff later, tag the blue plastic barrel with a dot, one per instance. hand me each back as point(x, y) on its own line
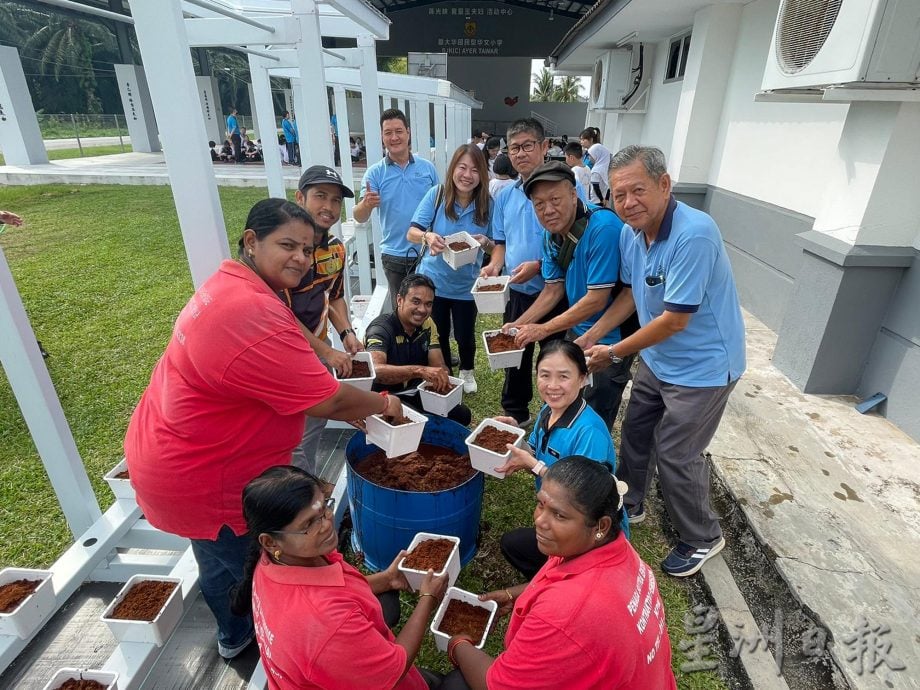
point(385, 520)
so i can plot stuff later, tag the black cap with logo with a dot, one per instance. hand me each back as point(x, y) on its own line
point(321, 174)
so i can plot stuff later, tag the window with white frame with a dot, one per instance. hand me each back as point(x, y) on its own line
point(678, 49)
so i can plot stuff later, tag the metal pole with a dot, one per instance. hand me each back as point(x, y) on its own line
point(121, 140)
point(76, 131)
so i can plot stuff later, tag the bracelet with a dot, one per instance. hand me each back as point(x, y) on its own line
point(452, 647)
point(346, 331)
point(537, 469)
point(428, 594)
point(510, 595)
point(386, 401)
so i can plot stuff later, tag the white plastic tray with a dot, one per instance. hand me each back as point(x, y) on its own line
point(396, 440)
point(365, 383)
point(120, 487)
point(502, 360)
point(452, 567)
point(156, 631)
point(492, 302)
point(106, 678)
point(457, 259)
point(441, 639)
point(487, 460)
point(441, 404)
point(28, 616)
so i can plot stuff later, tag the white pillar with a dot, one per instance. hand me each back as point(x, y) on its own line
point(440, 138)
point(453, 136)
point(20, 137)
point(341, 115)
point(370, 109)
point(412, 114)
point(210, 108)
point(164, 43)
point(22, 362)
point(139, 111)
point(313, 107)
point(421, 131)
point(264, 112)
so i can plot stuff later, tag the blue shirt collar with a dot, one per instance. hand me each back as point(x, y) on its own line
point(664, 232)
point(390, 161)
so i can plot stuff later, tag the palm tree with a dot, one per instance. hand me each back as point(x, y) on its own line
point(543, 89)
point(568, 90)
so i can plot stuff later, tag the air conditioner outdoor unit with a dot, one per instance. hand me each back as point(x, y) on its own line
point(621, 80)
point(865, 43)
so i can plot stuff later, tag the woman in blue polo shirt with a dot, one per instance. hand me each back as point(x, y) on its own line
point(566, 425)
point(463, 204)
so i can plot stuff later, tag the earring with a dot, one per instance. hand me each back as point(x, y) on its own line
point(278, 555)
point(250, 253)
point(599, 535)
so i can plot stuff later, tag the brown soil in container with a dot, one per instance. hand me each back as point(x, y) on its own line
point(122, 475)
point(12, 594)
point(431, 554)
point(75, 684)
point(144, 600)
point(498, 287)
point(449, 388)
point(430, 468)
point(461, 618)
point(460, 246)
point(501, 342)
point(396, 421)
point(495, 439)
point(359, 370)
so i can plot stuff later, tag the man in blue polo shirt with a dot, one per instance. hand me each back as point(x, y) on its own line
point(581, 263)
point(518, 240)
point(692, 350)
point(395, 185)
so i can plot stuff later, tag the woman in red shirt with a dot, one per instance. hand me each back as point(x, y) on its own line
point(591, 618)
point(318, 621)
point(227, 400)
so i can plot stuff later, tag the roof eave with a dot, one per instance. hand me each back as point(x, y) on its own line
point(598, 16)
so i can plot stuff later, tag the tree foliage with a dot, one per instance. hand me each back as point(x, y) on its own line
point(546, 88)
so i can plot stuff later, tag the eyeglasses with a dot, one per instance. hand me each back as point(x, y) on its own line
point(526, 147)
point(328, 505)
point(654, 281)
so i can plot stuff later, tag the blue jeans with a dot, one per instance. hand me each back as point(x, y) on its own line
point(220, 569)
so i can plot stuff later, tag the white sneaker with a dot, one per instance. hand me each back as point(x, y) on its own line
point(469, 381)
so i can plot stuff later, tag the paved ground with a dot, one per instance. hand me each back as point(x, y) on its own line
point(834, 496)
point(57, 144)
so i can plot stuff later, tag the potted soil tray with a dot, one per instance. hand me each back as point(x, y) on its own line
point(462, 613)
point(487, 445)
point(461, 249)
point(436, 551)
point(362, 372)
point(491, 294)
point(441, 403)
point(147, 609)
point(118, 481)
point(501, 350)
point(26, 599)
point(396, 437)
point(82, 679)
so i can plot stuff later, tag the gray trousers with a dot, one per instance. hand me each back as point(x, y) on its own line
point(605, 394)
point(670, 426)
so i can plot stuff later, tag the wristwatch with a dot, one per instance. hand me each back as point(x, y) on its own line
point(346, 331)
point(538, 468)
point(614, 359)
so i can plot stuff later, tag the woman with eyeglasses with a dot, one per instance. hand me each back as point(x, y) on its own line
point(566, 425)
point(592, 617)
point(319, 622)
point(228, 398)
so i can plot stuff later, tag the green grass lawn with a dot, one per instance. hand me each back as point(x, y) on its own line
point(88, 151)
point(103, 274)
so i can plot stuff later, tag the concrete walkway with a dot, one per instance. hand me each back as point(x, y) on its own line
point(58, 144)
point(834, 497)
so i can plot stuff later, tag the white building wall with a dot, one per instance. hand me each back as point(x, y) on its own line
point(756, 139)
point(664, 99)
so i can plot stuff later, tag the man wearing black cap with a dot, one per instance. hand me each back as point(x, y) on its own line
point(581, 262)
point(320, 297)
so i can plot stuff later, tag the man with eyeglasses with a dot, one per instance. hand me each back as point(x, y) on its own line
point(580, 266)
point(518, 239)
point(691, 346)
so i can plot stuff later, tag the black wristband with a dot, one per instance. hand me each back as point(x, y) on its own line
point(346, 332)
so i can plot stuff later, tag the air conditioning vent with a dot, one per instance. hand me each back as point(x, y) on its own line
point(802, 28)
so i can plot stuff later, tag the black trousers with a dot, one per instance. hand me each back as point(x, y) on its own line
point(518, 389)
point(463, 314)
point(237, 148)
point(519, 547)
point(396, 269)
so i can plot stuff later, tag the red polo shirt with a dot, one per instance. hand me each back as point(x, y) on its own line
point(225, 402)
point(323, 628)
point(594, 622)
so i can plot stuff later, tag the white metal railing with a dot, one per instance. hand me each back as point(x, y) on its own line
point(550, 127)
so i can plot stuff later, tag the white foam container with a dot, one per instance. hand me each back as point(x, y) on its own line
point(502, 360)
point(106, 678)
point(359, 304)
point(120, 487)
point(452, 567)
point(365, 383)
point(156, 631)
point(492, 302)
point(26, 618)
point(457, 259)
point(441, 639)
point(487, 460)
point(396, 440)
point(438, 404)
